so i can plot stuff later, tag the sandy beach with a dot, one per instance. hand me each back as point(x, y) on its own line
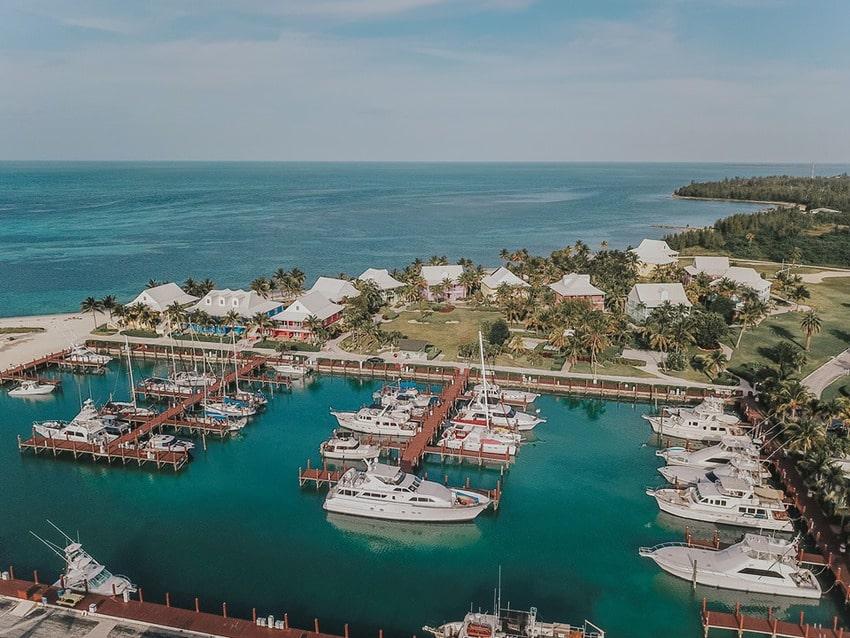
point(60, 331)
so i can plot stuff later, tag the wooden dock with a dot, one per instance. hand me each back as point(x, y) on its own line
point(123, 454)
point(30, 369)
point(771, 626)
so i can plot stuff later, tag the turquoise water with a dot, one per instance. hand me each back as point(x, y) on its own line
point(235, 526)
point(70, 230)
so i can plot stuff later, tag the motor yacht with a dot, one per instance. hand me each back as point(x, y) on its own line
point(704, 422)
point(31, 388)
point(742, 467)
point(291, 370)
point(169, 443)
point(758, 564)
point(498, 394)
point(471, 438)
point(386, 492)
point(81, 355)
point(728, 448)
point(728, 501)
point(512, 623)
point(501, 417)
point(401, 393)
point(87, 427)
point(192, 379)
point(379, 421)
point(344, 446)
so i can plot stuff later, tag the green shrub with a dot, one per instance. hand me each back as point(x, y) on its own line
point(142, 334)
point(389, 315)
point(675, 361)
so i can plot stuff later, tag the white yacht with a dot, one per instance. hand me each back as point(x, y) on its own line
point(125, 410)
point(743, 467)
point(500, 417)
point(728, 448)
point(169, 443)
point(727, 501)
point(228, 407)
point(498, 394)
point(87, 427)
point(758, 564)
point(704, 422)
point(291, 370)
point(192, 379)
point(512, 623)
point(31, 388)
point(344, 446)
point(83, 573)
point(475, 439)
point(379, 421)
point(254, 398)
point(386, 492)
point(167, 386)
point(81, 355)
point(401, 393)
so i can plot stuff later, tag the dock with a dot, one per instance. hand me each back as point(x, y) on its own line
point(771, 626)
point(30, 370)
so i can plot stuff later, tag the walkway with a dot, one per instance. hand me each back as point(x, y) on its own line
point(829, 372)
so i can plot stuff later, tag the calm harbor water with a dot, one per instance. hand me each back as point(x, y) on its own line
point(235, 526)
point(69, 230)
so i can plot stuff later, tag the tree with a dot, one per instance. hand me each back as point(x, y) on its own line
point(498, 333)
point(318, 331)
point(805, 435)
point(92, 305)
point(370, 297)
point(516, 345)
point(811, 324)
point(714, 362)
point(175, 316)
point(262, 286)
point(232, 319)
point(798, 294)
point(109, 303)
point(708, 329)
point(750, 315)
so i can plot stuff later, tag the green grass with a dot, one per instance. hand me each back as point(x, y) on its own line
point(435, 330)
point(143, 334)
point(831, 301)
point(837, 389)
point(19, 330)
point(612, 369)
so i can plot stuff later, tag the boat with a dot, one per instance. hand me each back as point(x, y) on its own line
point(168, 443)
point(160, 385)
point(228, 407)
point(386, 492)
point(87, 427)
point(124, 410)
point(344, 446)
point(498, 416)
point(253, 398)
point(757, 564)
point(83, 573)
point(721, 453)
point(291, 370)
point(81, 355)
point(191, 379)
point(31, 388)
point(402, 393)
point(704, 422)
point(504, 395)
point(743, 467)
point(378, 421)
point(474, 439)
point(511, 623)
point(727, 501)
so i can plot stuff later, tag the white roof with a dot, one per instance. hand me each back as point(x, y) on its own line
point(503, 276)
point(247, 303)
point(711, 266)
point(576, 285)
point(655, 251)
point(435, 275)
point(312, 303)
point(747, 277)
point(335, 289)
point(654, 295)
point(382, 278)
point(160, 297)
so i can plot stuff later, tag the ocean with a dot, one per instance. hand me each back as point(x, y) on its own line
point(70, 230)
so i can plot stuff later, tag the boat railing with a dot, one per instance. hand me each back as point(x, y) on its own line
point(646, 551)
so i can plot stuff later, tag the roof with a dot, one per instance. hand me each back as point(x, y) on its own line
point(502, 276)
point(382, 278)
point(247, 303)
point(655, 251)
point(335, 289)
point(412, 345)
point(160, 297)
point(747, 277)
point(311, 304)
point(711, 266)
point(654, 295)
point(576, 285)
point(435, 275)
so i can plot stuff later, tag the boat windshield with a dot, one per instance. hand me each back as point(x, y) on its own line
point(100, 578)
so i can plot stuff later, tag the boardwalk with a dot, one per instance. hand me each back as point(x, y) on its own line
point(770, 626)
point(30, 369)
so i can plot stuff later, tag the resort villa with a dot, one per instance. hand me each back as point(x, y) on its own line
point(448, 275)
point(292, 324)
point(245, 303)
point(652, 253)
point(644, 298)
point(337, 290)
point(161, 297)
point(501, 277)
point(718, 269)
point(578, 287)
point(389, 286)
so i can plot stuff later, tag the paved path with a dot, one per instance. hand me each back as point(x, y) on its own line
point(830, 371)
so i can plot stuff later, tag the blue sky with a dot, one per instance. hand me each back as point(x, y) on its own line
point(577, 80)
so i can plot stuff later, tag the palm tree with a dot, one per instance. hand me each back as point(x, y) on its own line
point(370, 297)
point(153, 283)
point(811, 324)
point(205, 286)
point(262, 286)
point(232, 319)
point(750, 315)
point(790, 398)
point(109, 303)
point(516, 345)
point(260, 323)
point(505, 256)
point(470, 279)
point(414, 291)
point(594, 336)
point(190, 287)
point(175, 316)
point(92, 305)
point(797, 294)
point(714, 362)
point(805, 436)
point(317, 329)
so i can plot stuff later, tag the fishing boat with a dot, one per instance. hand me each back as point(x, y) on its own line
point(31, 388)
point(87, 427)
point(387, 492)
point(757, 564)
point(742, 467)
point(169, 443)
point(721, 453)
point(401, 393)
point(291, 370)
point(704, 422)
point(474, 439)
point(727, 501)
point(378, 421)
point(82, 572)
point(497, 394)
point(81, 355)
point(344, 446)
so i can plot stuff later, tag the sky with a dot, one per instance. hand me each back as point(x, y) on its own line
point(426, 80)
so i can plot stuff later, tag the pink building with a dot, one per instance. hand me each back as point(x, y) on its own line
point(439, 275)
point(576, 286)
point(291, 324)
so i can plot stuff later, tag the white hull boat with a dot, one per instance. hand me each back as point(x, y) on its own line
point(704, 422)
point(721, 453)
point(169, 443)
point(192, 380)
point(31, 389)
point(512, 623)
point(498, 394)
point(740, 467)
point(344, 446)
point(81, 355)
point(497, 416)
point(291, 370)
point(475, 439)
point(380, 422)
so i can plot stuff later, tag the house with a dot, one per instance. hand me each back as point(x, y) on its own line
point(337, 290)
point(437, 275)
point(412, 349)
point(711, 267)
point(161, 297)
point(389, 286)
point(246, 304)
point(292, 324)
point(748, 278)
point(501, 277)
point(576, 286)
point(644, 298)
point(652, 253)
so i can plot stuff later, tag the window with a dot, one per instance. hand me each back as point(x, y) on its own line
point(752, 571)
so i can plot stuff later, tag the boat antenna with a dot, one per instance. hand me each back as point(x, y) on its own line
point(499, 604)
point(54, 526)
point(53, 547)
point(484, 382)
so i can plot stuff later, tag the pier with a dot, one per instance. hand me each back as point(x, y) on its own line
point(771, 626)
point(30, 369)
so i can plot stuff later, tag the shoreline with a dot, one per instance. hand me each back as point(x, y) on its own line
point(730, 200)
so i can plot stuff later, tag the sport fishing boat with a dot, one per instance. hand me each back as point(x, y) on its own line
point(512, 623)
point(379, 421)
point(169, 443)
point(344, 446)
point(498, 394)
point(291, 370)
point(83, 573)
point(742, 467)
point(704, 422)
point(386, 492)
point(31, 388)
point(81, 355)
point(499, 417)
point(727, 501)
point(474, 439)
point(401, 393)
point(87, 427)
point(728, 448)
point(758, 564)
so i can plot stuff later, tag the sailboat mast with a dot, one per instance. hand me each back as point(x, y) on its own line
point(130, 372)
point(484, 380)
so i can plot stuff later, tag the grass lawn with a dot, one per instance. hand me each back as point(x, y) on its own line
point(831, 301)
point(434, 329)
point(19, 330)
point(541, 363)
point(838, 389)
point(612, 369)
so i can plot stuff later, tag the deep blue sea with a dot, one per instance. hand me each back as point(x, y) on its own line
point(69, 230)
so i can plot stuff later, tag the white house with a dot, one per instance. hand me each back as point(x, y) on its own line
point(247, 303)
point(578, 287)
point(161, 297)
point(386, 283)
point(334, 289)
point(712, 267)
point(652, 253)
point(501, 277)
point(291, 324)
point(644, 298)
point(437, 275)
point(748, 277)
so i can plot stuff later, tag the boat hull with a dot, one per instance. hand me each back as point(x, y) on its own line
point(402, 512)
point(719, 518)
